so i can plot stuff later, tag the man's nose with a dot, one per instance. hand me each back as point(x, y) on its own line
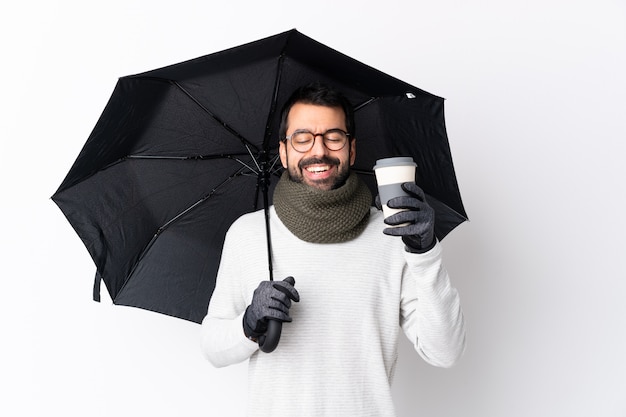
point(318, 145)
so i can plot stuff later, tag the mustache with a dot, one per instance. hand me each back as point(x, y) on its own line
point(325, 160)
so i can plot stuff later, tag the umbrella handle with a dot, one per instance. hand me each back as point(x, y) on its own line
point(269, 341)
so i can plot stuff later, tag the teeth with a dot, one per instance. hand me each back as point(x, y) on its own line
point(318, 169)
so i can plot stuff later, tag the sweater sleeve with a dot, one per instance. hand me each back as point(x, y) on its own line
point(431, 315)
point(223, 341)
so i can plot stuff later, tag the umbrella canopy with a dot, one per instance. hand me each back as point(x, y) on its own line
point(180, 152)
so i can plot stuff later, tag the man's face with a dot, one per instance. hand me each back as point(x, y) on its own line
point(319, 167)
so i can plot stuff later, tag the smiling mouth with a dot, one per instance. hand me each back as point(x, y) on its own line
point(318, 169)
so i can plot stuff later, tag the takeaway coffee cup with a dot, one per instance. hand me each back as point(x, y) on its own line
point(391, 173)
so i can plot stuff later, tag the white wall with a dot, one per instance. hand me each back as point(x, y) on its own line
point(535, 113)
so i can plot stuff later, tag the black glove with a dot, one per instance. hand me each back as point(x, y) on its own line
point(419, 234)
point(271, 300)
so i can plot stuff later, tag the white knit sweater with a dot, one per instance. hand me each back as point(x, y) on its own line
point(337, 357)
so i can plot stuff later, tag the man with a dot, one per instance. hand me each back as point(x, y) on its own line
point(358, 281)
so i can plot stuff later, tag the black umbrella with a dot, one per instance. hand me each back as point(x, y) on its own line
point(180, 152)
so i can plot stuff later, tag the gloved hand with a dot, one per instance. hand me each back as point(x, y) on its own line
point(271, 300)
point(419, 234)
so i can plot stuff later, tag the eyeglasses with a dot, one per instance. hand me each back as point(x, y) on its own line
point(303, 140)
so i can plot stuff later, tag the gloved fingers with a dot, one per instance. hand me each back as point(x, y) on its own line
point(271, 300)
point(420, 229)
point(262, 291)
point(417, 223)
point(279, 301)
point(414, 190)
point(277, 314)
point(267, 289)
point(398, 231)
point(405, 202)
point(407, 216)
point(287, 289)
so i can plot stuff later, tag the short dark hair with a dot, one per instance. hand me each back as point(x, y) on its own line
point(321, 95)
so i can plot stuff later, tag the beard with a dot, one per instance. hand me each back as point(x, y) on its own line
point(332, 183)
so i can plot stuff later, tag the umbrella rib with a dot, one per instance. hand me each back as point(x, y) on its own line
point(202, 157)
point(373, 99)
point(270, 115)
point(194, 205)
point(180, 158)
point(248, 166)
point(253, 159)
point(271, 168)
point(213, 115)
point(365, 103)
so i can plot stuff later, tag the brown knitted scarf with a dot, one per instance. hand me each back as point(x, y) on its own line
point(320, 216)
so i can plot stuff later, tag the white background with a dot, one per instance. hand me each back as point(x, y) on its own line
point(536, 117)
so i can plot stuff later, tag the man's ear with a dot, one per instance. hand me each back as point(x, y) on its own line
point(282, 151)
point(352, 151)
